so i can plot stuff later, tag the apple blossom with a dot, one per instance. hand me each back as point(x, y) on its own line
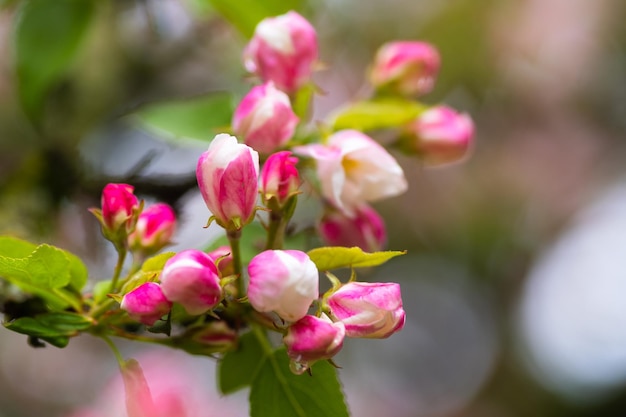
point(440, 135)
point(366, 229)
point(353, 169)
point(146, 303)
point(283, 49)
point(279, 177)
point(372, 310)
point(154, 229)
point(265, 119)
point(313, 338)
point(191, 279)
point(283, 281)
point(228, 175)
point(408, 68)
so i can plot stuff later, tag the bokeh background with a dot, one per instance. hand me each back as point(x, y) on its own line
point(515, 278)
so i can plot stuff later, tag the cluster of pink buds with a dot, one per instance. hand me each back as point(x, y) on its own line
point(190, 278)
point(125, 222)
point(286, 282)
point(440, 135)
point(255, 175)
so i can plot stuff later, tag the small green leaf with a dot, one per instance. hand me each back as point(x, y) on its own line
point(45, 272)
point(47, 36)
point(334, 257)
point(50, 325)
point(100, 291)
point(246, 14)
point(239, 367)
point(157, 262)
point(139, 278)
point(276, 392)
point(198, 118)
point(377, 114)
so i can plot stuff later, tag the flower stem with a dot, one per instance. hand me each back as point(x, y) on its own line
point(116, 352)
point(233, 238)
point(275, 231)
point(121, 256)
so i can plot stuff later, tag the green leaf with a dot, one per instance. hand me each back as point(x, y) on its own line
point(198, 118)
point(44, 272)
point(239, 367)
point(77, 270)
point(51, 325)
point(377, 114)
point(334, 257)
point(246, 14)
point(47, 36)
point(157, 262)
point(139, 278)
point(149, 272)
point(276, 392)
point(13, 247)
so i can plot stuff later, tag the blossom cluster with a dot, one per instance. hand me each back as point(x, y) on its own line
point(259, 174)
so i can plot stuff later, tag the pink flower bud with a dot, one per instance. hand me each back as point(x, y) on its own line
point(440, 135)
point(354, 169)
point(190, 278)
point(365, 230)
point(154, 230)
point(408, 68)
point(264, 118)
point(223, 259)
point(139, 401)
point(146, 303)
point(283, 281)
point(313, 338)
point(372, 310)
point(279, 177)
point(228, 176)
point(216, 335)
point(118, 206)
point(283, 49)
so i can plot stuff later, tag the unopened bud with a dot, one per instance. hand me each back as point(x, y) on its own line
point(154, 230)
point(408, 68)
point(283, 50)
point(264, 118)
point(190, 278)
point(371, 310)
point(440, 135)
point(146, 303)
point(366, 229)
point(283, 281)
point(311, 339)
